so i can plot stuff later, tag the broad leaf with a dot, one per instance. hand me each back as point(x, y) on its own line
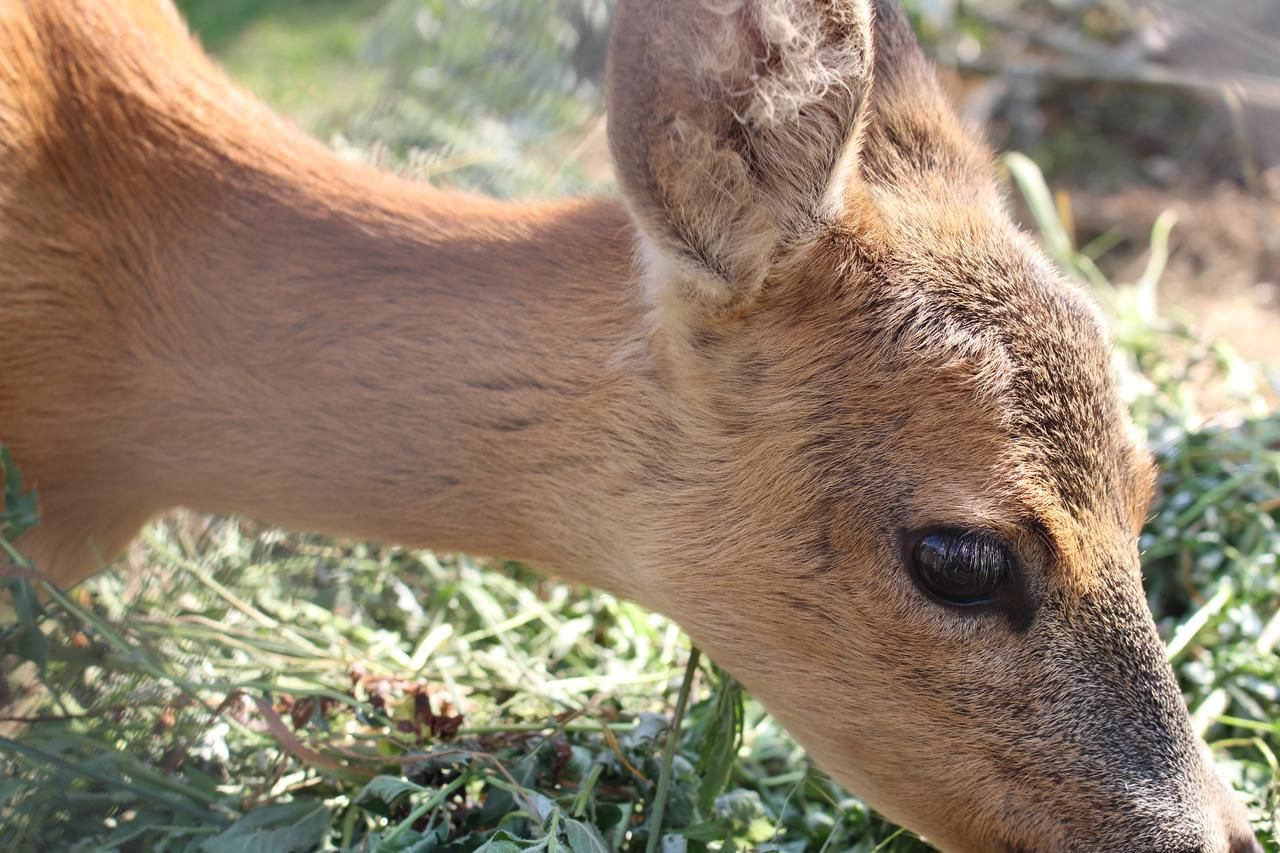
point(583, 837)
point(298, 827)
point(382, 793)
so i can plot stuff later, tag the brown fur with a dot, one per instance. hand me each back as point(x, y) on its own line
point(814, 329)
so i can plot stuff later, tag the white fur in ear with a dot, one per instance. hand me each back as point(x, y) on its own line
point(729, 122)
point(793, 63)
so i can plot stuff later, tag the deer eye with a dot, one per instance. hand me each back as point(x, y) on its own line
point(960, 568)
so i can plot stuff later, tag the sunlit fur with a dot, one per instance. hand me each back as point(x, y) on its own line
point(810, 330)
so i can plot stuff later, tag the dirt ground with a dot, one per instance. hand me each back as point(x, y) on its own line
point(1224, 265)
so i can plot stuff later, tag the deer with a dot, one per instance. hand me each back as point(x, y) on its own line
point(804, 388)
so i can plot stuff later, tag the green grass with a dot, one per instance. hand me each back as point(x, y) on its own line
point(481, 89)
point(305, 57)
point(220, 23)
point(250, 689)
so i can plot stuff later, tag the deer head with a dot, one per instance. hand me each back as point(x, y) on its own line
point(912, 526)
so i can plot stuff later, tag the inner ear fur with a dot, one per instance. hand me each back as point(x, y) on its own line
point(733, 126)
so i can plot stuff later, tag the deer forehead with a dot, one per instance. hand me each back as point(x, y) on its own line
point(994, 374)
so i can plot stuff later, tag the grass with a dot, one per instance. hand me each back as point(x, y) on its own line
point(302, 56)
point(249, 689)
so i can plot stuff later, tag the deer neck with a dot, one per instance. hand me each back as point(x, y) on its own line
point(345, 352)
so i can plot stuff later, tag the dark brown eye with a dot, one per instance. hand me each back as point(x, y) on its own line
point(960, 568)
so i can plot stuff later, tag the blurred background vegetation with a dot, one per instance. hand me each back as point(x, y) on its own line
point(229, 687)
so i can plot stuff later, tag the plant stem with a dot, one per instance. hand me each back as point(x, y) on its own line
point(669, 754)
point(431, 802)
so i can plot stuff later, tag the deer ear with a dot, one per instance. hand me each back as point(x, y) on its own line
point(733, 125)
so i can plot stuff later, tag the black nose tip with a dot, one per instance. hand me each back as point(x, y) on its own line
point(1247, 844)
